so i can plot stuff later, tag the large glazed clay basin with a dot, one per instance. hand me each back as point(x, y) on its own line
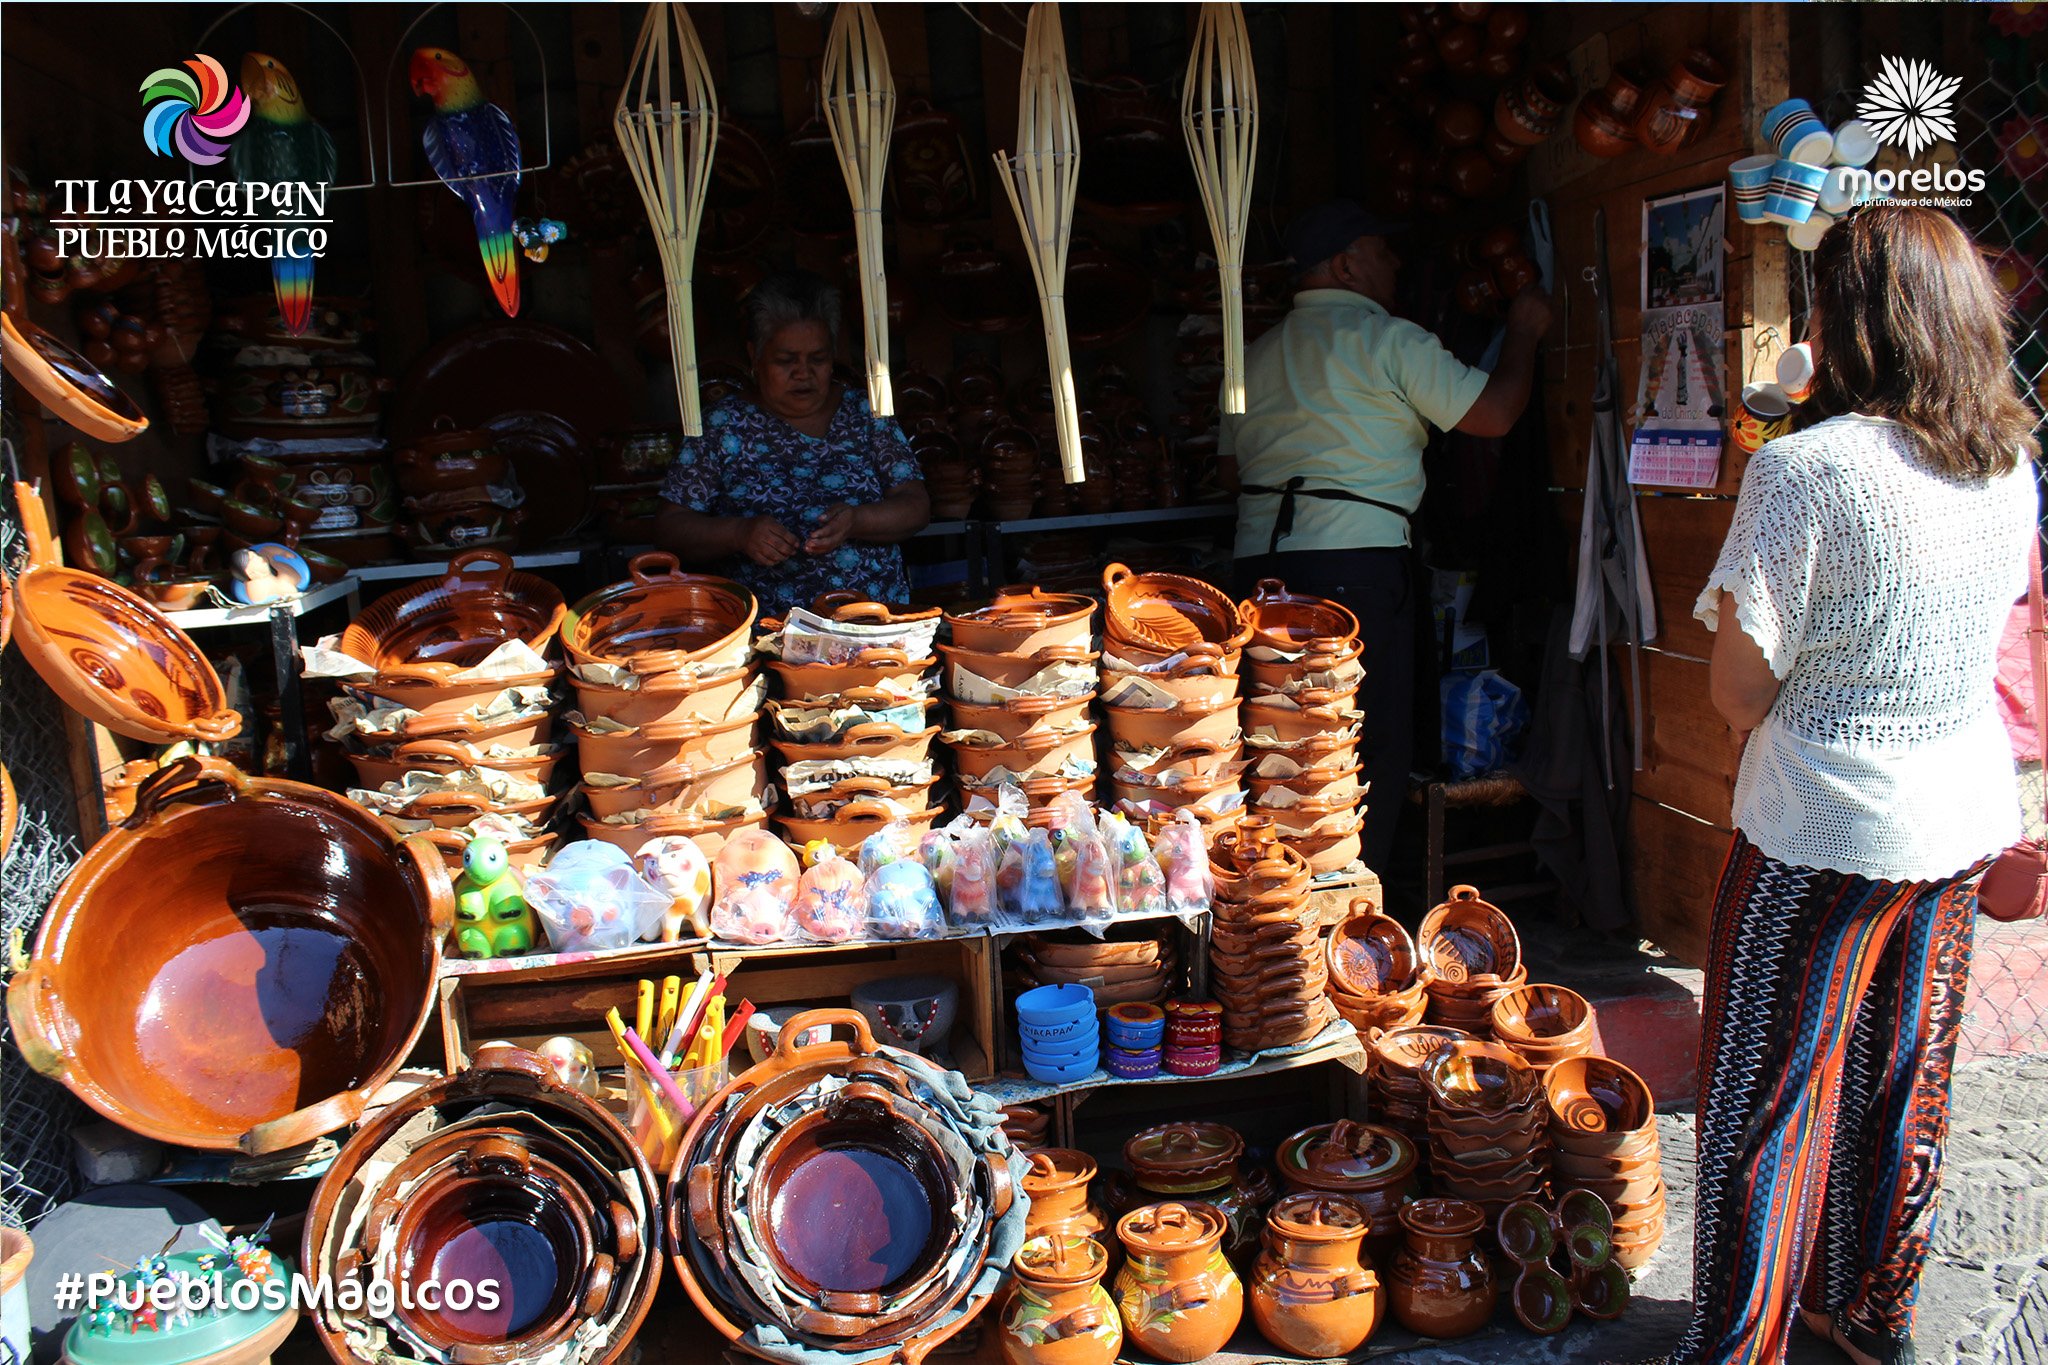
point(242, 964)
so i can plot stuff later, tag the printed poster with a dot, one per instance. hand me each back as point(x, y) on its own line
point(1680, 409)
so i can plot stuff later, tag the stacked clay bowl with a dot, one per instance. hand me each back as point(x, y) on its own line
point(853, 739)
point(666, 707)
point(1171, 649)
point(1266, 962)
point(1394, 1063)
point(1027, 1125)
point(1603, 1124)
point(1043, 742)
point(1303, 654)
point(1471, 957)
point(485, 743)
point(1138, 972)
point(1488, 1125)
point(1375, 973)
point(1543, 1024)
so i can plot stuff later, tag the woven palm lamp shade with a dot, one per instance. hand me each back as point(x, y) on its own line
point(1041, 180)
point(1219, 112)
point(667, 124)
point(860, 113)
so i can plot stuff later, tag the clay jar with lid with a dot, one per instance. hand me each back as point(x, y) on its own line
point(1198, 1161)
point(1058, 1181)
point(1373, 1166)
point(1179, 1298)
point(1060, 1313)
point(1439, 1284)
point(1310, 1293)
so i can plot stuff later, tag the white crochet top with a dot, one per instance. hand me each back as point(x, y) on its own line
point(1877, 587)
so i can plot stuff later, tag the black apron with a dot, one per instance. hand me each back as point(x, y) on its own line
point(1283, 520)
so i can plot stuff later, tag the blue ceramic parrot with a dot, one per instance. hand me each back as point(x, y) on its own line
point(281, 142)
point(468, 136)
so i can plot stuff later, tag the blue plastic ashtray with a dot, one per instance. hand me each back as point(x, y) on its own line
point(1044, 1006)
point(1058, 1035)
point(1060, 1075)
point(1086, 1050)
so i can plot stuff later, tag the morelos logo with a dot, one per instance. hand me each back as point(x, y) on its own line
point(192, 110)
point(1911, 106)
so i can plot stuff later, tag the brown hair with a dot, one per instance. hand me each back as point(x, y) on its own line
point(1911, 326)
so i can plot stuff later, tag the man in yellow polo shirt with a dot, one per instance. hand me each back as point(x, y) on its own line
point(1340, 398)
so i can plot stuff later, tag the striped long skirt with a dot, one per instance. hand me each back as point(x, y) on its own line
point(1832, 1005)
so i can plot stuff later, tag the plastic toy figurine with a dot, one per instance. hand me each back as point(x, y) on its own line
point(473, 145)
point(491, 914)
point(267, 573)
point(282, 143)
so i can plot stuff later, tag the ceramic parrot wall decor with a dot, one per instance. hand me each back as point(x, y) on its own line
point(282, 142)
point(473, 146)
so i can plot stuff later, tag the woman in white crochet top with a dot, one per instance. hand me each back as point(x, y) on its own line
point(1857, 602)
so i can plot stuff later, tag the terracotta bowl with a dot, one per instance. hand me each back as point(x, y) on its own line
point(1291, 621)
point(1401, 1053)
point(1384, 1012)
point(845, 828)
point(737, 785)
point(1032, 756)
point(1343, 665)
point(1190, 683)
point(1370, 954)
point(660, 618)
point(1620, 1146)
point(1332, 846)
point(875, 739)
point(1169, 611)
point(1577, 1167)
point(1020, 717)
point(919, 797)
point(446, 756)
point(672, 698)
point(1467, 937)
point(1212, 723)
point(1328, 791)
point(708, 835)
point(1023, 620)
point(240, 965)
point(1598, 1095)
point(1330, 725)
point(1009, 670)
point(877, 667)
point(690, 742)
point(1624, 1194)
point(1547, 1016)
point(1478, 1075)
point(458, 619)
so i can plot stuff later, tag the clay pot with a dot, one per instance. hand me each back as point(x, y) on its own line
point(1295, 622)
point(1598, 1096)
point(1544, 1020)
point(1031, 756)
point(1439, 1284)
point(736, 785)
point(1371, 954)
point(1528, 111)
point(447, 458)
point(873, 739)
point(457, 619)
point(171, 978)
point(1600, 129)
point(1324, 792)
point(1161, 728)
point(630, 753)
point(875, 667)
point(846, 827)
point(1057, 1180)
point(447, 756)
point(1330, 723)
point(1060, 1314)
point(1169, 612)
point(672, 698)
point(661, 619)
point(1179, 1298)
point(1287, 676)
point(1466, 937)
point(1195, 680)
point(1023, 620)
point(1009, 670)
point(1309, 1292)
point(707, 834)
point(1374, 1166)
point(1020, 718)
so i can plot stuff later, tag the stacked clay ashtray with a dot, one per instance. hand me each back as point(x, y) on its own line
point(1471, 957)
point(1266, 962)
point(1117, 973)
point(1375, 972)
point(1488, 1138)
point(1062, 1039)
point(1137, 1039)
point(667, 701)
point(854, 726)
point(442, 746)
point(1020, 674)
point(1603, 1124)
point(1543, 1024)
point(1194, 1038)
point(1564, 1261)
point(1171, 649)
point(1303, 664)
point(1394, 1085)
point(458, 490)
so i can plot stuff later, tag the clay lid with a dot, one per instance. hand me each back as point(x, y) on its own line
point(1061, 1258)
point(1347, 1156)
point(1442, 1217)
point(1317, 1217)
point(1184, 1151)
point(1057, 1168)
point(1191, 1009)
point(1174, 1226)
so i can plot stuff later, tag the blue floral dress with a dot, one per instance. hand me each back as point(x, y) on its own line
point(751, 463)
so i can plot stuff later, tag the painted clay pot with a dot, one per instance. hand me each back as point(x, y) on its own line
point(1198, 1161)
point(1057, 1180)
point(458, 619)
point(1372, 1165)
point(1023, 620)
point(242, 964)
point(1179, 1298)
point(1309, 1292)
point(1439, 1284)
point(1060, 1314)
point(1466, 937)
point(1169, 611)
point(661, 619)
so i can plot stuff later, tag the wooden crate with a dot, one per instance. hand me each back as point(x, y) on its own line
point(824, 974)
point(530, 1005)
point(1331, 900)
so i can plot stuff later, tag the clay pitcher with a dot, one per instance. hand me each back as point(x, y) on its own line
point(1439, 1284)
point(1310, 1293)
point(1058, 1180)
point(1060, 1314)
point(1179, 1297)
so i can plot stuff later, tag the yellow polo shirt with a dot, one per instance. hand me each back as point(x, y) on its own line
point(1342, 393)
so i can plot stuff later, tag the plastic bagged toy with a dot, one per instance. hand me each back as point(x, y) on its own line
point(903, 902)
point(831, 903)
point(971, 902)
point(591, 897)
point(939, 851)
point(1090, 885)
point(1028, 881)
point(1184, 856)
point(755, 877)
point(891, 844)
point(676, 865)
point(1140, 884)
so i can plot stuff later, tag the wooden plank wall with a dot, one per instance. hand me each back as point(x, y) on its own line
point(1679, 826)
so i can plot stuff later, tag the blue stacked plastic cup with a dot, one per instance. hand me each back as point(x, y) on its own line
point(1061, 1036)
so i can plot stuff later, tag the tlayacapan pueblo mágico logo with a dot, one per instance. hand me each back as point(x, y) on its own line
point(192, 110)
point(1911, 106)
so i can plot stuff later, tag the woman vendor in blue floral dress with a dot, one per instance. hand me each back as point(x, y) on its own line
point(796, 489)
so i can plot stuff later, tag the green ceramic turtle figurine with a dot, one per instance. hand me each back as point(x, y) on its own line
point(491, 915)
